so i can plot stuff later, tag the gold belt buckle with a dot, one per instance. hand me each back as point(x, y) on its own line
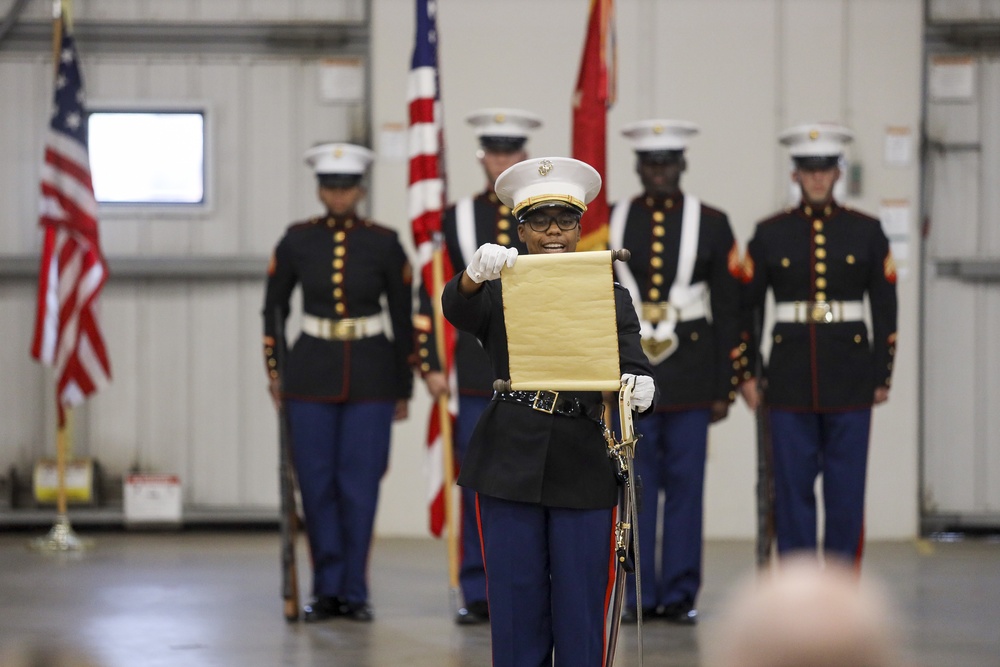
point(345, 329)
point(541, 402)
point(820, 312)
point(655, 312)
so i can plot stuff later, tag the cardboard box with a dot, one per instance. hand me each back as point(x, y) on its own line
point(152, 498)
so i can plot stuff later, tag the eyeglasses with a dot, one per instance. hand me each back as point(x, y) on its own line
point(541, 223)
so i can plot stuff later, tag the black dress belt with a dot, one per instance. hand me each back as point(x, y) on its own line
point(551, 403)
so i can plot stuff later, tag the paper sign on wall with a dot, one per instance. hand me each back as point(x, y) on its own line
point(341, 80)
point(898, 146)
point(951, 78)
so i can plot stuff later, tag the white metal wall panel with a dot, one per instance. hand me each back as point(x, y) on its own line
point(214, 444)
point(257, 427)
point(950, 388)
point(990, 396)
point(746, 82)
point(812, 30)
point(202, 10)
point(22, 390)
point(964, 10)
point(270, 100)
point(220, 232)
point(116, 426)
point(21, 135)
point(165, 377)
point(962, 321)
point(990, 229)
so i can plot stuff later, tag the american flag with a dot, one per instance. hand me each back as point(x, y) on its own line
point(73, 270)
point(426, 202)
point(594, 95)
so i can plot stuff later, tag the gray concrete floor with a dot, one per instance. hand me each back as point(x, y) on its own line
point(194, 598)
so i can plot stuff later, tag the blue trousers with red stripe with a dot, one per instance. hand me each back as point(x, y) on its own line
point(670, 458)
point(549, 575)
point(806, 445)
point(471, 576)
point(341, 452)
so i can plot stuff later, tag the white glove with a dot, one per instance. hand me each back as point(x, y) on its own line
point(643, 390)
point(488, 261)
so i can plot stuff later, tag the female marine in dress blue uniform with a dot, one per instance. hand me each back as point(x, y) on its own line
point(539, 461)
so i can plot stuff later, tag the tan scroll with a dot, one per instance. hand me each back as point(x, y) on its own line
point(562, 333)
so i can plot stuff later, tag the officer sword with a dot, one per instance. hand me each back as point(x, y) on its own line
point(626, 529)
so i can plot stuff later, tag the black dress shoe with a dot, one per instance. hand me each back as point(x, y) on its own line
point(474, 613)
point(630, 615)
point(323, 607)
point(680, 613)
point(358, 611)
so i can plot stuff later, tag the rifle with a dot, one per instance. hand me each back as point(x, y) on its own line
point(627, 528)
point(765, 474)
point(288, 513)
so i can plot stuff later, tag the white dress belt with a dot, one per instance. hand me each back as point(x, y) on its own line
point(819, 312)
point(349, 328)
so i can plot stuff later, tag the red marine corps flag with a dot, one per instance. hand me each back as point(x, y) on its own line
point(426, 203)
point(594, 95)
point(72, 273)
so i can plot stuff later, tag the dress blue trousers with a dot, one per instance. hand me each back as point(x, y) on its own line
point(670, 458)
point(549, 574)
point(341, 451)
point(805, 445)
point(472, 577)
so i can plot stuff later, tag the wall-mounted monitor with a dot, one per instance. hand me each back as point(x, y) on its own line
point(148, 157)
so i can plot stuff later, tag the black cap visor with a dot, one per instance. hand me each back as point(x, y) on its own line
point(660, 157)
point(816, 162)
point(496, 144)
point(338, 180)
point(549, 203)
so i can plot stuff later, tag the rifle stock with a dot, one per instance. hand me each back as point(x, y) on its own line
point(288, 517)
point(765, 480)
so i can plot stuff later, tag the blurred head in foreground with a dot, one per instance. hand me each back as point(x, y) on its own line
point(805, 615)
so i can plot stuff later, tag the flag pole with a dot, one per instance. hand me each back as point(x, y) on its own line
point(444, 420)
point(61, 536)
